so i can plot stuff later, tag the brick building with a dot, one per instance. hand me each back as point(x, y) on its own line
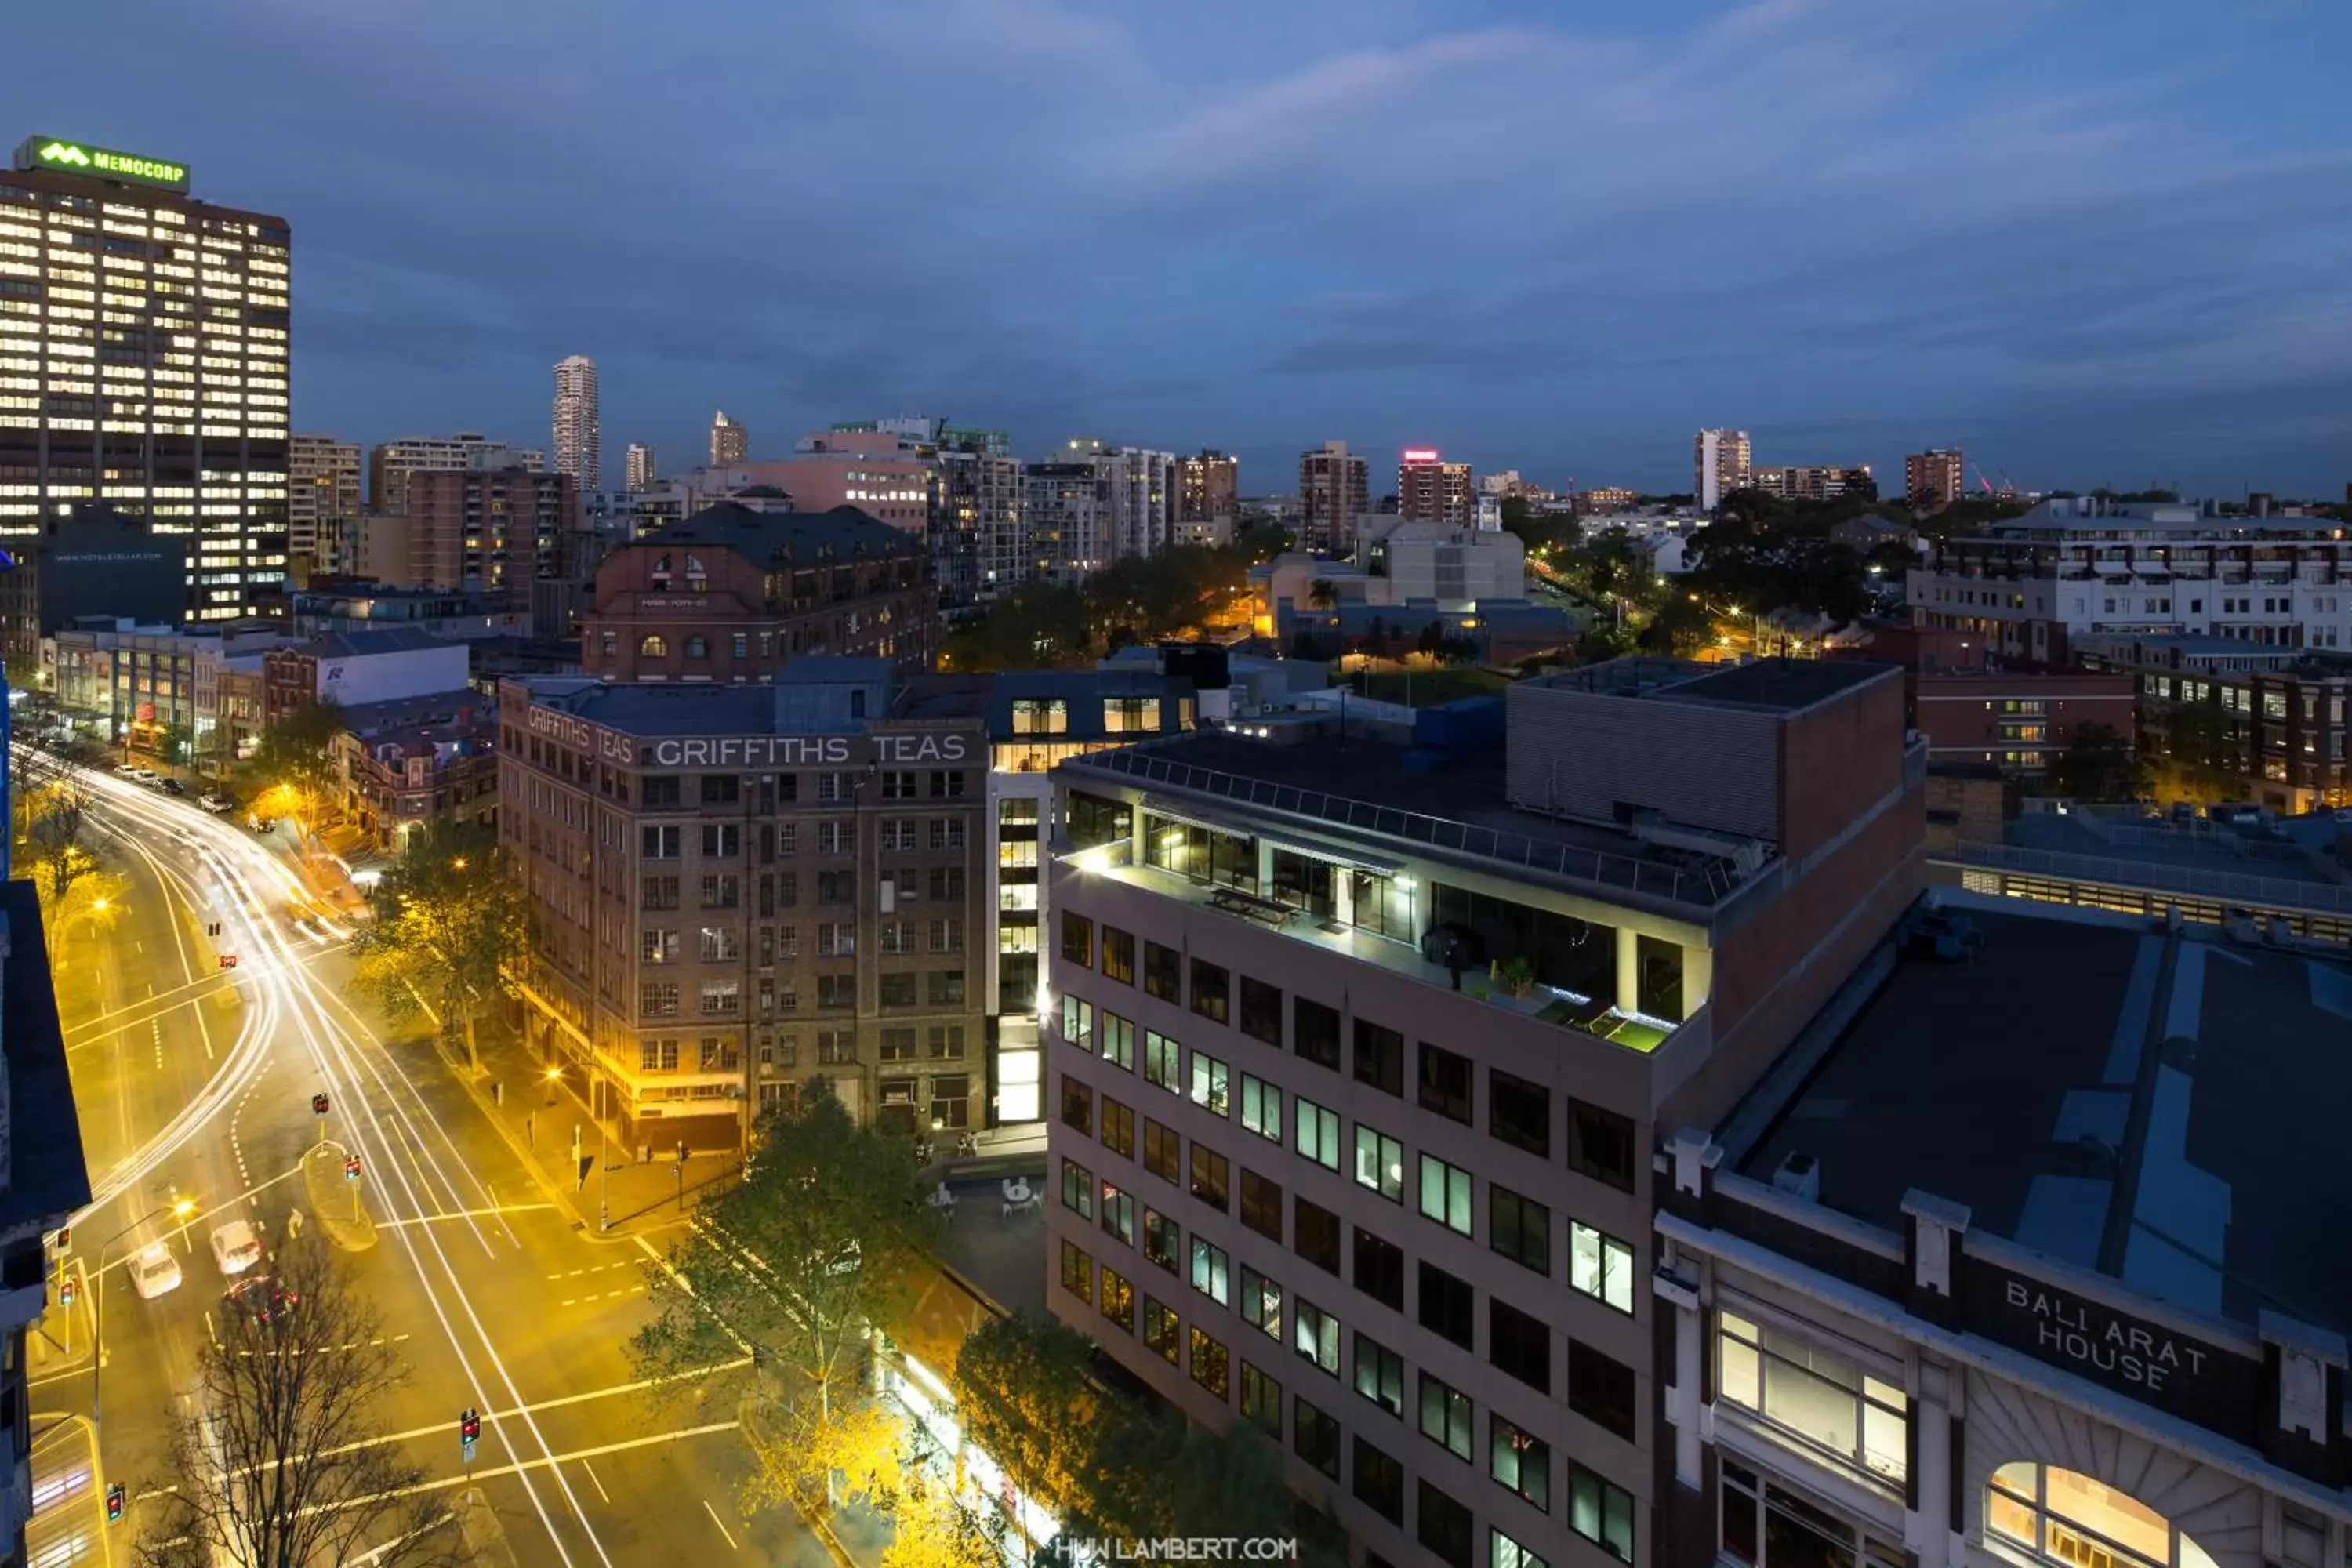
point(737, 888)
point(415, 761)
point(1974, 706)
point(2271, 721)
point(732, 595)
point(492, 530)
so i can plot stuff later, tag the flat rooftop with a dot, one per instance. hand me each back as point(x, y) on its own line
point(1775, 685)
point(2166, 1110)
point(657, 709)
point(2201, 847)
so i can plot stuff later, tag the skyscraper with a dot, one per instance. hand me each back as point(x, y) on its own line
point(1934, 478)
point(641, 474)
point(579, 440)
point(1334, 490)
point(1721, 460)
point(730, 442)
point(322, 494)
point(1430, 489)
point(172, 404)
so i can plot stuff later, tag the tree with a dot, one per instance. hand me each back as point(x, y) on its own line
point(279, 1459)
point(1261, 543)
point(2097, 765)
point(295, 760)
point(825, 1238)
point(55, 814)
point(1323, 594)
point(450, 927)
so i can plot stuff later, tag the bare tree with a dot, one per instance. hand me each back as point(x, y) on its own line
point(281, 1461)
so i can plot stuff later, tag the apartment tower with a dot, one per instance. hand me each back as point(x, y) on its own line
point(1430, 489)
point(642, 472)
point(1721, 459)
point(322, 496)
point(144, 357)
point(579, 440)
point(730, 442)
point(1334, 490)
point(1935, 478)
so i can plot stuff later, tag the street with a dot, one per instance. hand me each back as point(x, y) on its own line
point(195, 1084)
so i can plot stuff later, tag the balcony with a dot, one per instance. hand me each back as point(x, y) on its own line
point(1543, 1004)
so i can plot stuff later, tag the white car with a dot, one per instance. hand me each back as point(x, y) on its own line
point(155, 1271)
point(215, 803)
point(235, 1248)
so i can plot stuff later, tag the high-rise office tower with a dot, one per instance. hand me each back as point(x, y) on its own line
point(322, 494)
point(579, 440)
point(642, 474)
point(1430, 489)
point(391, 463)
point(730, 442)
point(1721, 460)
point(143, 362)
point(1934, 478)
point(1334, 490)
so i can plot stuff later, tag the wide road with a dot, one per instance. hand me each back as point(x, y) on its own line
point(498, 1299)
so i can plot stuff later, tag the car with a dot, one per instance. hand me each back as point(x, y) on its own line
point(155, 1271)
point(211, 800)
point(261, 1297)
point(229, 961)
point(125, 771)
point(173, 786)
point(235, 1248)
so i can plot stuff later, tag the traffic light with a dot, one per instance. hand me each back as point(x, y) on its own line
point(318, 1105)
point(64, 1240)
point(65, 1290)
point(469, 1429)
point(114, 1503)
point(351, 1169)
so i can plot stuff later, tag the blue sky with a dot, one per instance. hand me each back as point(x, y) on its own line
point(2095, 241)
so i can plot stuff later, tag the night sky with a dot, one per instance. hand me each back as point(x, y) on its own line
point(2094, 242)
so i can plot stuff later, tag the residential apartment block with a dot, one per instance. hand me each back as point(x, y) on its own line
point(1357, 1056)
point(2271, 719)
point(1430, 490)
point(490, 530)
point(1935, 478)
point(1816, 482)
point(1720, 464)
point(390, 463)
point(1334, 490)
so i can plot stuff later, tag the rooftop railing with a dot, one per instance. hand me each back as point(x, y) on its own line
point(2277, 892)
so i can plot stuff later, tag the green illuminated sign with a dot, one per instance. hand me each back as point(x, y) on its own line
point(80, 158)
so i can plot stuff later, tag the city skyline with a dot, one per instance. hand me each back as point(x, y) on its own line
point(2142, 338)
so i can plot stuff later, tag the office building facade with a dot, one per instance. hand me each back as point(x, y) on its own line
point(1720, 466)
point(1430, 489)
point(579, 443)
point(730, 442)
point(322, 494)
point(1334, 490)
point(739, 888)
point(1351, 1132)
point(143, 362)
point(1935, 478)
point(92, 560)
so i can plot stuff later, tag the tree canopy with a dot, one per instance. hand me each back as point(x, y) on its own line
point(450, 926)
point(2098, 765)
point(1137, 598)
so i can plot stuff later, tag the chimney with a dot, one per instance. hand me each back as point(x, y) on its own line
point(1800, 1175)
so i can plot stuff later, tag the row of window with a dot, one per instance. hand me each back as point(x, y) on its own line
point(661, 890)
point(1516, 1460)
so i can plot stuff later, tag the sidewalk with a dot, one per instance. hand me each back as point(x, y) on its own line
point(605, 1190)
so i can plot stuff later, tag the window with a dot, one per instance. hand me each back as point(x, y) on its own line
point(659, 893)
point(1209, 1084)
point(948, 784)
point(1262, 1303)
point(1262, 1011)
point(1602, 1513)
point(722, 891)
point(1079, 1022)
point(1117, 1128)
point(1448, 1306)
point(653, 648)
point(1446, 1194)
point(1077, 939)
point(1163, 1062)
point(895, 991)
point(1316, 1133)
point(1211, 990)
point(1077, 1099)
point(1519, 1112)
point(1601, 1266)
point(1077, 1189)
point(943, 988)
point(1379, 1163)
point(1505, 1553)
point(657, 1055)
point(657, 946)
point(1315, 1235)
point(1380, 1058)
point(1445, 1415)
point(840, 991)
point(1209, 1176)
point(1600, 1389)
point(1118, 1298)
point(1446, 1082)
point(836, 838)
point(1315, 1335)
point(658, 999)
point(1118, 956)
point(2065, 1517)
point(1118, 1213)
point(1161, 1330)
point(1379, 1482)
point(1315, 1436)
point(1161, 1236)
point(1315, 1032)
point(1519, 1228)
point(1806, 1391)
point(1160, 1150)
point(1261, 1400)
point(1163, 972)
point(897, 787)
point(1040, 716)
point(1600, 1145)
point(1379, 1269)
point(1210, 1364)
point(1765, 1521)
point(721, 840)
point(1118, 1041)
point(1078, 1273)
point(1519, 1461)
point(1444, 1525)
point(659, 841)
point(1380, 1374)
point(721, 945)
point(1261, 1108)
point(1212, 1271)
point(1261, 1206)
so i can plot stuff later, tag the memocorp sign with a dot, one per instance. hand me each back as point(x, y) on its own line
point(81, 158)
point(752, 753)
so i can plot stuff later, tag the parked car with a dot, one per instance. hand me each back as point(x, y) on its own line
point(211, 800)
point(235, 1248)
point(125, 771)
point(155, 1271)
point(174, 786)
point(261, 1297)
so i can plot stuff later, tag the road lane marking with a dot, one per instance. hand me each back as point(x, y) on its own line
point(463, 1213)
point(598, 1479)
point(441, 1427)
point(444, 1482)
point(722, 1528)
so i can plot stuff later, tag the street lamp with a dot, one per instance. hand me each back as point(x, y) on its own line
point(178, 1209)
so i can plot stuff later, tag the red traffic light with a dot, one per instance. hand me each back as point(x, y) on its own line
point(469, 1426)
point(64, 1240)
point(318, 1105)
point(351, 1169)
point(114, 1503)
point(66, 1291)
